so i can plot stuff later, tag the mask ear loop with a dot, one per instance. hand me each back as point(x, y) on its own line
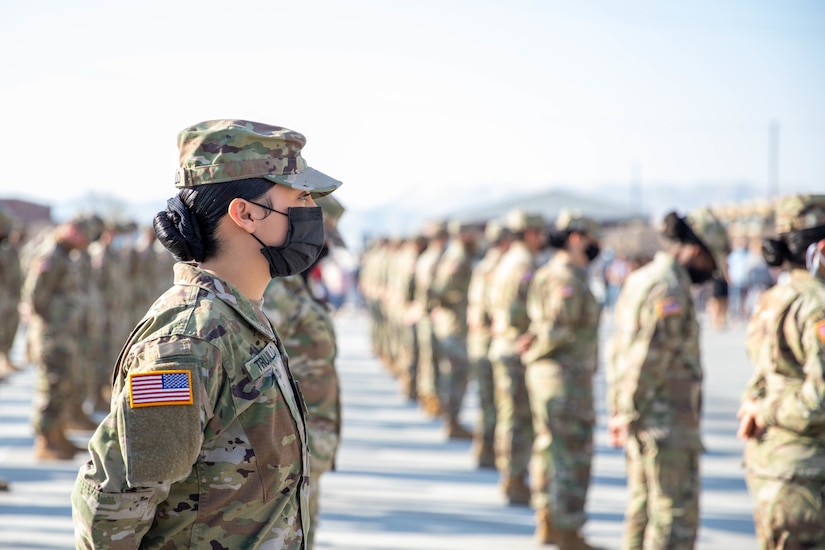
point(813, 258)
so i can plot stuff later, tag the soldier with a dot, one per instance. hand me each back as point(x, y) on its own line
point(90, 328)
point(11, 282)
point(109, 275)
point(655, 382)
point(560, 355)
point(306, 328)
point(782, 415)
point(52, 293)
point(205, 446)
point(508, 309)
point(428, 352)
point(478, 341)
point(449, 297)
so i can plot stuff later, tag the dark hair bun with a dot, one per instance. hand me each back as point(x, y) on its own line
point(775, 252)
point(675, 228)
point(557, 239)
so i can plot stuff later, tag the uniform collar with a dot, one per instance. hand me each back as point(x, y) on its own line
point(188, 274)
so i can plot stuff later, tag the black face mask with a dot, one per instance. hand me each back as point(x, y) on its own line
point(304, 241)
point(592, 251)
point(699, 276)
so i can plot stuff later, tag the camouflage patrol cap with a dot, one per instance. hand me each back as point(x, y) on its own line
point(91, 225)
point(572, 220)
point(218, 151)
point(333, 210)
point(713, 235)
point(519, 220)
point(797, 212)
point(493, 231)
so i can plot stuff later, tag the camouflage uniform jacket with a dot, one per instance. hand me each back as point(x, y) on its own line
point(786, 343)
point(218, 458)
point(478, 292)
point(11, 282)
point(52, 289)
point(508, 296)
point(449, 290)
point(308, 335)
point(564, 316)
point(654, 365)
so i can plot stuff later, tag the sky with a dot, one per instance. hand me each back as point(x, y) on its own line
point(417, 102)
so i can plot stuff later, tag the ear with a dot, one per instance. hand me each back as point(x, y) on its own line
point(240, 213)
point(821, 247)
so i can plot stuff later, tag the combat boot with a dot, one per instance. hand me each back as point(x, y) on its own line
point(81, 422)
point(456, 431)
point(546, 532)
point(485, 455)
point(431, 405)
point(572, 540)
point(516, 491)
point(61, 438)
point(47, 446)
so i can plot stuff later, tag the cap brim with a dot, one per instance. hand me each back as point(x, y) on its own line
point(317, 183)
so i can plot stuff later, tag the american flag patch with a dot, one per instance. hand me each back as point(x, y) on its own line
point(668, 307)
point(162, 387)
point(820, 331)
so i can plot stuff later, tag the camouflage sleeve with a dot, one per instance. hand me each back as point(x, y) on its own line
point(148, 442)
point(517, 308)
point(653, 346)
point(800, 405)
point(45, 276)
point(554, 306)
point(757, 340)
point(452, 282)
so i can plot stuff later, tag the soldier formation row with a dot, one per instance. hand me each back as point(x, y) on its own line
point(524, 323)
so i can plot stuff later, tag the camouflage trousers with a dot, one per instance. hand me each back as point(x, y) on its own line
point(409, 361)
point(454, 374)
point(663, 506)
point(9, 319)
point(481, 368)
point(428, 358)
point(514, 424)
point(55, 385)
point(788, 514)
point(561, 399)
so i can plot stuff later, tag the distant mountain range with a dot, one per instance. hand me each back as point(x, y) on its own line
point(405, 217)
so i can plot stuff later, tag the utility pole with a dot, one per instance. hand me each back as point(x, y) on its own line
point(773, 159)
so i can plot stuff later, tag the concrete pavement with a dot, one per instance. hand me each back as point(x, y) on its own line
point(399, 483)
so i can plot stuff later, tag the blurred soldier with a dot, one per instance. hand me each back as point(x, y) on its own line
point(308, 334)
point(109, 274)
point(783, 410)
point(449, 298)
point(90, 328)
point(560, 355)
point(508, 309)
point(52, 292)
point(11, 282)
point(428, 353)
point(478, 341)
point(655, 377)
point(405, 280)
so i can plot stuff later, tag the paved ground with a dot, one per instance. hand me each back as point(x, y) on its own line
point(399, 484)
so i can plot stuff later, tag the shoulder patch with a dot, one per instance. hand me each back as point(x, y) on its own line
point(162, 387)
point(820, 331)
point(668, 306)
